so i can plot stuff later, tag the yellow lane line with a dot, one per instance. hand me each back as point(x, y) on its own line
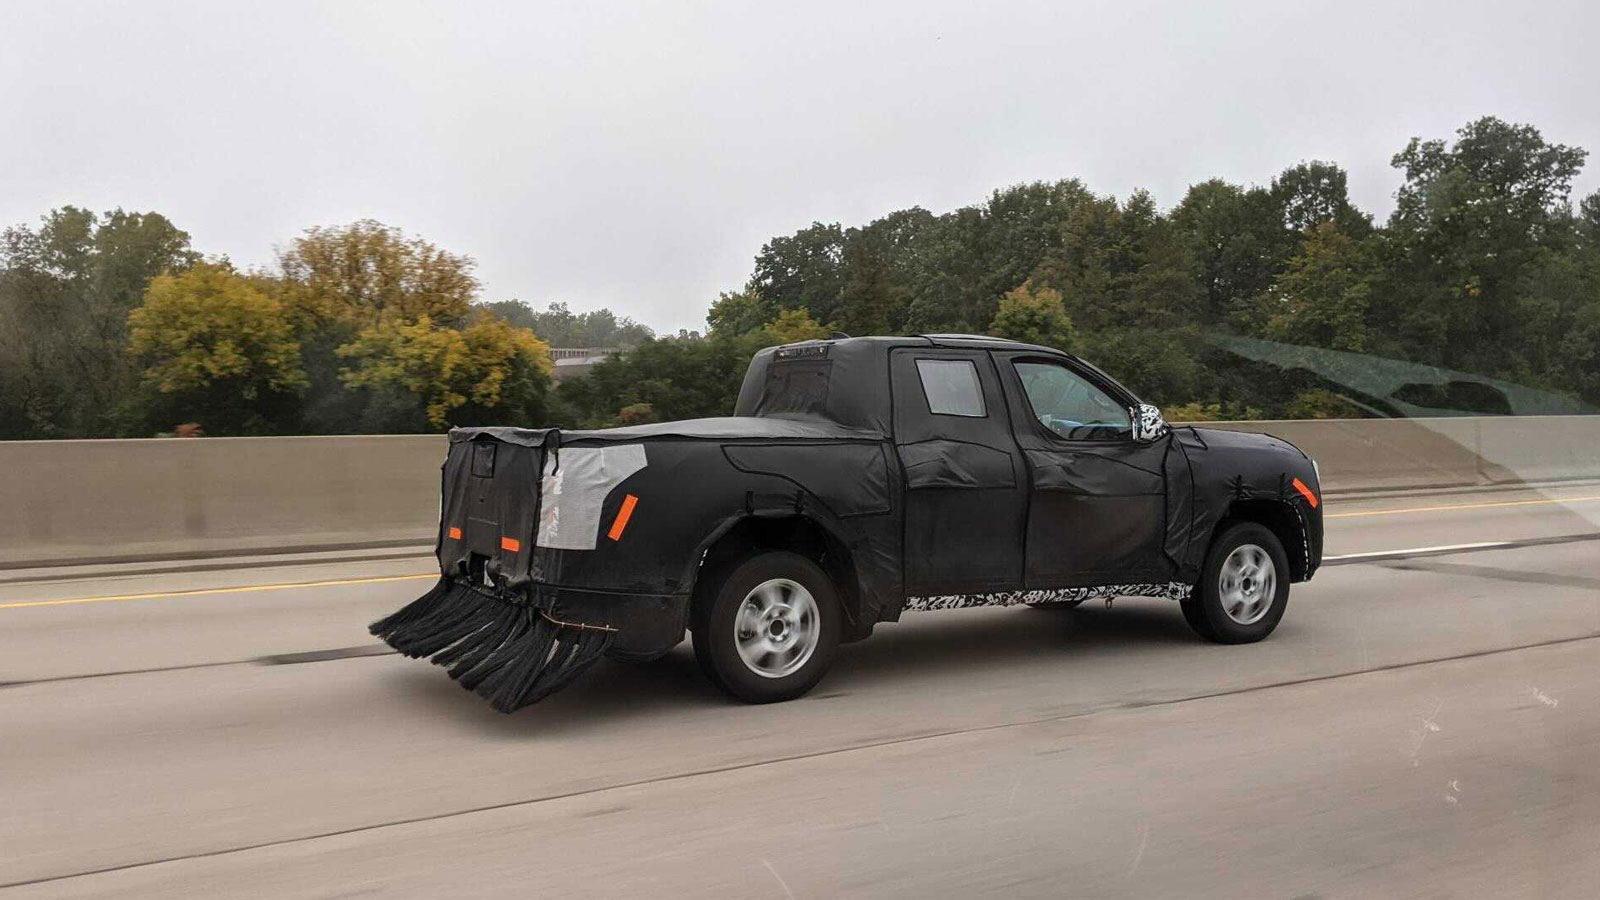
point(227, 590)
point(1422, 509)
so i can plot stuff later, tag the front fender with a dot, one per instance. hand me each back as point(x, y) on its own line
point(1253, 476)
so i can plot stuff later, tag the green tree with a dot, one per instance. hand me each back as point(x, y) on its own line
point(1314, 193)
point(1123, 266)
point(803, 271)
point(879, 264)
point(662, 380)
point(949, 279)
point(1468, 221)
point(1021, 225)
point(216, 350)
point(1323, 297)
point(1035, 315)
point(1238, 238)
point(738, 312)
point(559, 326)
point(1559, 296)
point(66, 289)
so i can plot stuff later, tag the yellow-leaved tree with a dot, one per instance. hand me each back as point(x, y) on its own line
point(216, 349)
point(393, 341)
point(792, 326)
point(459, 375)
point(366, 272)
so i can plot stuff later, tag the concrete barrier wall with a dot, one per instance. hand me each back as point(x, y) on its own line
point(1393, 454)
point(80, 501)
point(70, 501)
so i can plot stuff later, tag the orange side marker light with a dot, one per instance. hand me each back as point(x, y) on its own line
point(455, 533)
point(511, 544)
point(1305, 492)
point(623, 515)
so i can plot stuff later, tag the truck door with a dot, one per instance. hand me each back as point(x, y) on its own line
point(966, 489)
point(1097, 504)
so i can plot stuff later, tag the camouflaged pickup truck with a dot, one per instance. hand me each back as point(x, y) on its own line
point(858, 479)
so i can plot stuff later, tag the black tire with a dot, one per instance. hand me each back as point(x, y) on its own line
point(773, 674)
point(1207, 609)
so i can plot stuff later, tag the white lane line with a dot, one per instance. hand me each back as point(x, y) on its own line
point(1413, 551)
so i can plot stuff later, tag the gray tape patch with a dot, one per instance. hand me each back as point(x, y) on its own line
point(576, 483)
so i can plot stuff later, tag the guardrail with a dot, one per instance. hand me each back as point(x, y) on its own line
point(84, 501)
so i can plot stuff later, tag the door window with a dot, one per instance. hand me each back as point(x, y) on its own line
point(1070, 406)
point(951, 386)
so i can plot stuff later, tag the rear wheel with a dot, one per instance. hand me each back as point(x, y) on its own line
point(769, 629)
point(1244, 587)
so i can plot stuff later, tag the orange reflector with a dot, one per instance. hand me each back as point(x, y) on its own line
point(623, 515)
point(1305, 492)
point(511, 544)
point(455, 533)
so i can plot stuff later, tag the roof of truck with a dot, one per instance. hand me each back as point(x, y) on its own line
point(834, 389)
point(844, 380)
point(952, 340)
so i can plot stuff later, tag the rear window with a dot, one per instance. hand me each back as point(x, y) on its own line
point(796, 386)
point(951, 386)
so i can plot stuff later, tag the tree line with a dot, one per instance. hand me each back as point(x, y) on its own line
point(113, 325)
point(1485, 266)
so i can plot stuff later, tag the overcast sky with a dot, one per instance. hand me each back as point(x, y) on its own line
point(637, 156)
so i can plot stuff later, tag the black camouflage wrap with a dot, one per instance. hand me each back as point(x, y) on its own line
point(573, 544)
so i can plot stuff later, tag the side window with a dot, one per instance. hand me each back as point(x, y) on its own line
point(951, 386)
point(1070, 406)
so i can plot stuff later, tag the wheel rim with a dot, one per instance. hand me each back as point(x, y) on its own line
point(1247, 584)
point(777, 628)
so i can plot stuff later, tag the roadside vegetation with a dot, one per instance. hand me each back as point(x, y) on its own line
point(114, 325)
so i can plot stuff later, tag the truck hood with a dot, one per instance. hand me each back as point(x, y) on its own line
point(1244, 441)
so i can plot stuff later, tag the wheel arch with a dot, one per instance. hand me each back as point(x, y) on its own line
point(744, 535)
point(1284, 520)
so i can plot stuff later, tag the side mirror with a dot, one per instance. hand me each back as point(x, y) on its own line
point(1148, 424)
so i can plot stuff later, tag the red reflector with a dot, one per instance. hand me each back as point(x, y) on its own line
point(511, 544)
point(455, 533)
point(1305, 492)
point(623, 515)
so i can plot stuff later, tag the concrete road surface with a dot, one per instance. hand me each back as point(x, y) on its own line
point(1425, 722)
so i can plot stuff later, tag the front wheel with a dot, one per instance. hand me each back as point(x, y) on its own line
point(1244, 587)
point(769, 630)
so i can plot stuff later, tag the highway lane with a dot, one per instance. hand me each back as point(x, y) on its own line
point(126, 770)
point(1468, 778)
point(173, 630)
